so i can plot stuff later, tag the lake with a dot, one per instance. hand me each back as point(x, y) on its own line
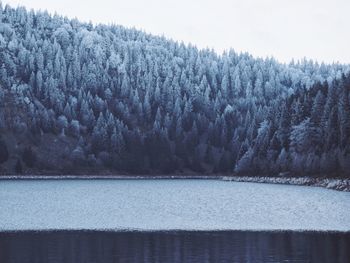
point(154, 205)
point(92, 221)
point(164, 247)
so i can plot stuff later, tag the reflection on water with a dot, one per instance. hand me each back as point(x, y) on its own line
point(108, 247)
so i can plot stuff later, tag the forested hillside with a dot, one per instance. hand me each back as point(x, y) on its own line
point(80, 98)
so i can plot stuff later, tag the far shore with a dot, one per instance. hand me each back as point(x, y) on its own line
point(340, 184)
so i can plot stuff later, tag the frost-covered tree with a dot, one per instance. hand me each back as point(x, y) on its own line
point(130, 101)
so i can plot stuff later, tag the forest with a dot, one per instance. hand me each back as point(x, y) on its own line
point(79, 98)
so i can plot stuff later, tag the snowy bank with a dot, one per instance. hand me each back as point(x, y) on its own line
point(335, 184)
point(169, 205)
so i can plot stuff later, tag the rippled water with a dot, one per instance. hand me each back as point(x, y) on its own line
point(163, 247)
point(156, 205)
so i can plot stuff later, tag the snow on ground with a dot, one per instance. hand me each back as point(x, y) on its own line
point(169, 205)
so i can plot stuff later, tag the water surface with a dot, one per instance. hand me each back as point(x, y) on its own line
point(169, 205)
point(164, 247)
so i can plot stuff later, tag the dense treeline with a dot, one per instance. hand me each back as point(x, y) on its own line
point(122, 100)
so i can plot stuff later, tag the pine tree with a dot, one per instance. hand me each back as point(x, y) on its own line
point(4, 154)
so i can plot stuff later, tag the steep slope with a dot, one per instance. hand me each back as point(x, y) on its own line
point(83, 98)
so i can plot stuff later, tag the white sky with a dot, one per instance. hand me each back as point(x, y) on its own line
point(285, 29)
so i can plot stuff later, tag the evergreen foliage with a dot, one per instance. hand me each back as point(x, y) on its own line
point(4, 154)
point(140, 103)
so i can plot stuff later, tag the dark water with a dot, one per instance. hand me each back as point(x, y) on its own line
point(163, 247)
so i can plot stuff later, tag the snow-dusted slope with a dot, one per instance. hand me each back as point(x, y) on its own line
point(170, 204)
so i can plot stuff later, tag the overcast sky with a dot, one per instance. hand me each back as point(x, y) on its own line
point(285, 29)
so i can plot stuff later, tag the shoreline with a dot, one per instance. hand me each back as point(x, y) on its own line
point(109, 177)
point(329, 183)
point(175, 231)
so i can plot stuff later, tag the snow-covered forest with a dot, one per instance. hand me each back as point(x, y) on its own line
point(77, 97)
